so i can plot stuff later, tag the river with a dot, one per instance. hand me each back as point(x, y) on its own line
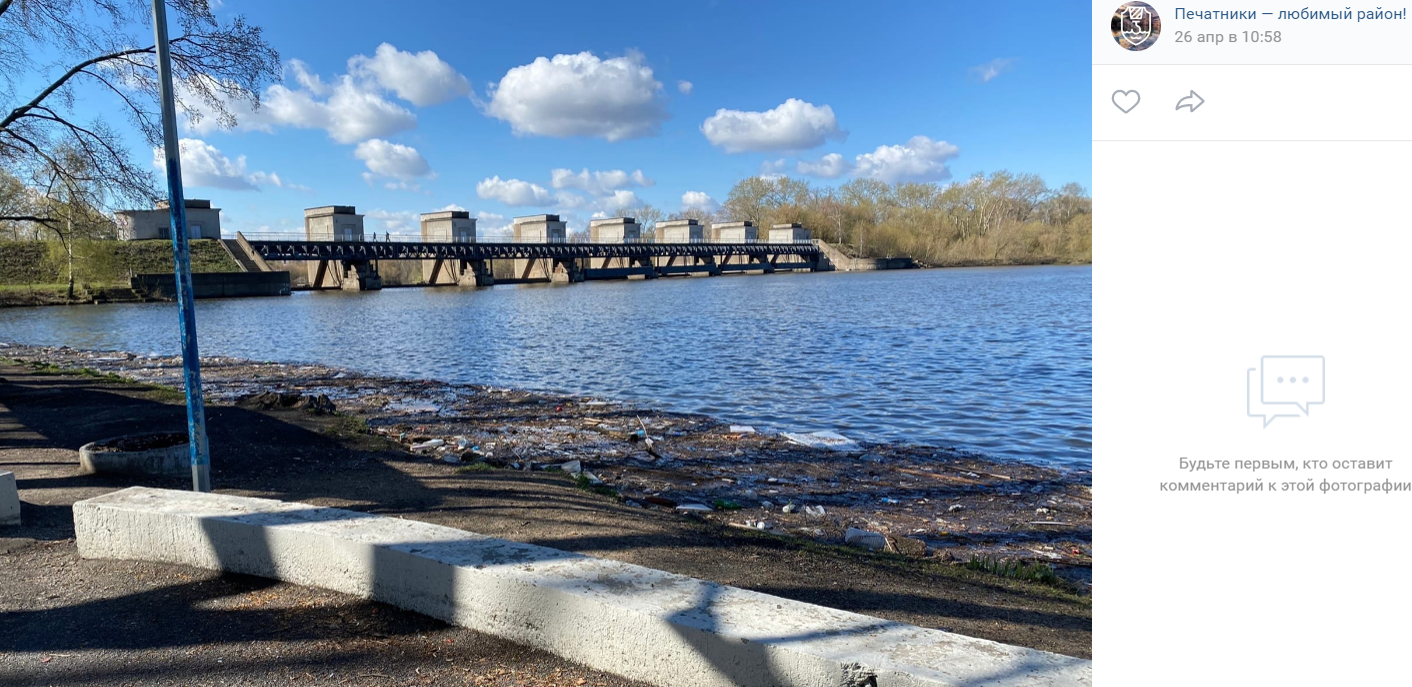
point(995, 360)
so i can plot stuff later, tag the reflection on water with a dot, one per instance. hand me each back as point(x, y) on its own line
point(994, 360)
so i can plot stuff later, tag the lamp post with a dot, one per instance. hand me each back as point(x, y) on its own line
point(190, 358)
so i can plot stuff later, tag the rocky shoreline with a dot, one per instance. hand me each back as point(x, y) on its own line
point(916, 500)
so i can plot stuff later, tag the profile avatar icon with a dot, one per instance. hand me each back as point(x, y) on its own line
point(1136, 26)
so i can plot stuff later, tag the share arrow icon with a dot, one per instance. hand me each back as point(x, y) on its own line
point(1191, 102)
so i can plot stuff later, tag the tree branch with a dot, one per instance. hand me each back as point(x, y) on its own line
point(21, 110)
point(46, 221)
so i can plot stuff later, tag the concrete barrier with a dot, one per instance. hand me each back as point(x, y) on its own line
point(637, 622)
point(104, 456)
point(9, 499)
point(216, 284)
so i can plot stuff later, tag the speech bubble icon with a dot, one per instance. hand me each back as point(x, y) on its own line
point(1296, 380)
point(1255, 408)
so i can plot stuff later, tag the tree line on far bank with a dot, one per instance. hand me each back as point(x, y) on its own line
point(996, 219)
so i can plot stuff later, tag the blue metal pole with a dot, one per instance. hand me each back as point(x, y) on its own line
point(190, 358)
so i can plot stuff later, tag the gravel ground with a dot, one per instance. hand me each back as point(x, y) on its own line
point(69, 621)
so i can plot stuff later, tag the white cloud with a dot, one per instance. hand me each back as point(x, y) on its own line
point(453, 206)
point(580, 95)
point(684, 87)
point(395, 221)
point(990, 70)
point(514, 192)
point(353, 112)
point(394, 160)
point(490, 224)
point(618, 200)
point(395, 185)
point(308, 80)
point(831, 166)
point(272, 179)
point(201, 119)
point(794, 125)
point(349, 109)
point(919, 159)
point(698, 200)
point(773, 167)
point(599, 183)
point(204, 165)
point(571, 201)
point(421, 79)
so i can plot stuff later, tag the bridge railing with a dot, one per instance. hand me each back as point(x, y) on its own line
point(390, 237)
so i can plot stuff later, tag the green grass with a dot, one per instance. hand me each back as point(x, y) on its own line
point(347, 425)
point(47, 368)
point(158, 392)
point(52, 369)
point(1041, 573)
point(582, 482)
point(26, 288)
point(477, 467)
point(168, 394)
point(105, 376)
point(40, 266)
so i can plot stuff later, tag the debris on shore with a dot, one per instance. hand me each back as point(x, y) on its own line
point(910, 499)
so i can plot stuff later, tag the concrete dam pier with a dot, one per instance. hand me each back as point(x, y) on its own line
point(339, 255)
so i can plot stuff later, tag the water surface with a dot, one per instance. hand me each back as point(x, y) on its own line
point(996, 360)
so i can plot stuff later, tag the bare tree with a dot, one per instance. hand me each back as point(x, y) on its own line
point(749, 200)
point(701, 215)
point(998, 218)
point(647, 217)
point(218, 66)
point(67, 209)
point(17, 203)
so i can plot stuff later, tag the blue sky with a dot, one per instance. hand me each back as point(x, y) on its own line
point(397, 131)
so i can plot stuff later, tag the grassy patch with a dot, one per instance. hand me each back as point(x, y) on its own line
point(105, 376)
point(157, 392)
point(930, 570)
point(166, 394)
point(477, 467)
point(35, 288)
point(47, 368)
point(347, 425)
point(52, 369)
point(582, 482)
point(1041, 573)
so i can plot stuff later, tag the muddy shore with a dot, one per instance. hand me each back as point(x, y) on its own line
point(926, 501)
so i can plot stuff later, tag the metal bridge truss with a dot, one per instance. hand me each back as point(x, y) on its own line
point(360, 251)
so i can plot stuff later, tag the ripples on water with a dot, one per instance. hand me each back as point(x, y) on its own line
point(994, 360)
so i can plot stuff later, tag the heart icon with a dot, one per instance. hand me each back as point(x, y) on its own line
point(1126, 100)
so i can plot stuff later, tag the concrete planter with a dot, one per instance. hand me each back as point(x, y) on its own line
point(164, 453)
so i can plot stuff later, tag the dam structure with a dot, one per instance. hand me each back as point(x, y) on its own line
point(339, 255)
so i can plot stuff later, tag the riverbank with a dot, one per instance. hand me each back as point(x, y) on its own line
point(336, 460)
point(932, 502)
point(58, 294)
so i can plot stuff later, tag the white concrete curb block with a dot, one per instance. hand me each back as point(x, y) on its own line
point(637, 622)
point(9, 499)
